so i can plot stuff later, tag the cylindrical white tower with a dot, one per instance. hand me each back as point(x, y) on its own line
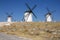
point(9, 19)
point(48, 17)
point(28, 17)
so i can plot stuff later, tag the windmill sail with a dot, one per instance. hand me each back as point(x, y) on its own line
point(49, 17)
point(30, 10)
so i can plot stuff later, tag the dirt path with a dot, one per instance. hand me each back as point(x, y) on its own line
point(10, 37)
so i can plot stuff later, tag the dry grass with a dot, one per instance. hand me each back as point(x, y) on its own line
point(34, 30)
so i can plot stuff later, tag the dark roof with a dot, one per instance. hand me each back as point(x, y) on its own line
point(48, 14)
point(9, 16)
point(28, 11)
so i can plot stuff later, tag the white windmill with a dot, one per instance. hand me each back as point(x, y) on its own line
point(48, 16)
point(9, 18)
point(28, 14)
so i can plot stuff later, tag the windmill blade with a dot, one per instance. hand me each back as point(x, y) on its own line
point(11, 13)
point(34, 14)
point(31, 10)
point(48, 9)
point(13, 19)
point(28, 6)
point(23, 19)
point(53, 11)
point(34, 7)
point(7, 13)
point(28, 16)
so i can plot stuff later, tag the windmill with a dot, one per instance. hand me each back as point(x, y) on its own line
point(48, 16)
point(9, 17)
point(28, 14)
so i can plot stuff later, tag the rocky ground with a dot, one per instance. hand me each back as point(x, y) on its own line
point(34, 30)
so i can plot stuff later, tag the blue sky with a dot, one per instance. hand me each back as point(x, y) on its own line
point(18, 8)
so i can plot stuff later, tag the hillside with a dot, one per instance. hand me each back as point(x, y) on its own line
point(33, 30)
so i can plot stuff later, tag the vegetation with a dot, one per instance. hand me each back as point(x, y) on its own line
point(34, 30)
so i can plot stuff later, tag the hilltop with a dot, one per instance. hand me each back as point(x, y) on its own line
point(33, 30)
